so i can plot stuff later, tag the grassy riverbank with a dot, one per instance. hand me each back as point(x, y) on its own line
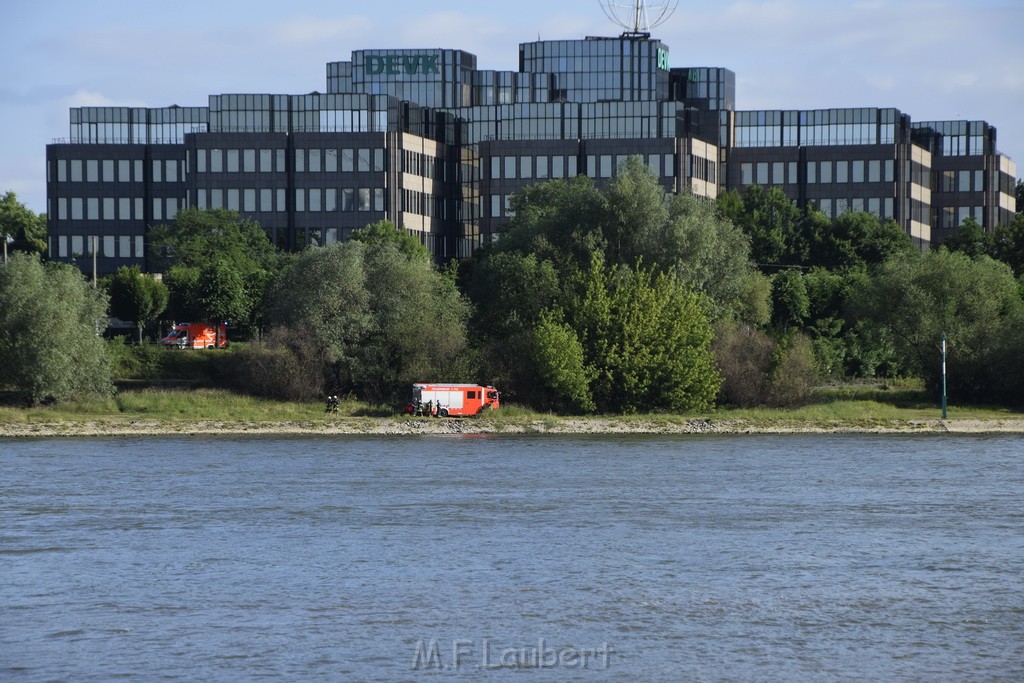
point(210, 411)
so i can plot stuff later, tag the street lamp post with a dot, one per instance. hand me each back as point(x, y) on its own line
point(943, 375)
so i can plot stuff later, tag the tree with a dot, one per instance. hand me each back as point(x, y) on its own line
point(385, 232)
point(975, 302)
point(790, 303)
point(137, 297)
point(557, 355)
point(862, 239)
point(1020, 197)
point(380, 318)
point(50, 346)
point(647, 339)
point(25, 229)
point(218, 265)
point(769, 218)
point(970, 240)
point(1008, 245)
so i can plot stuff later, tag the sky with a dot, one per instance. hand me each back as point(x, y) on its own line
point(931, 59)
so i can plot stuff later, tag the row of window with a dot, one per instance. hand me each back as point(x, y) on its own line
point(273, 160)
point(883, 207)
point(422, 165)
point(117, 170)
point(598, 166)
point(115, 208)
point(949, 217)
point(858, 171)
point(960, 181)
point(267, 200)
point(107, 246)
point(424, 204)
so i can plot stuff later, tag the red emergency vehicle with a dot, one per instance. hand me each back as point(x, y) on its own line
point(197, 336)
point(443, 400)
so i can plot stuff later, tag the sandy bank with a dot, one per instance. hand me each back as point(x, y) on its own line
point(595, 425)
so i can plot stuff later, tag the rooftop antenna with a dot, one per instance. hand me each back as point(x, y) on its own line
point(639, 17)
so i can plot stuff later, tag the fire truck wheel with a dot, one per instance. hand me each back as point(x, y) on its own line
point(409, 409)
point(444, 412)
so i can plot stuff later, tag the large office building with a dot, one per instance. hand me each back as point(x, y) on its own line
point(429, 141)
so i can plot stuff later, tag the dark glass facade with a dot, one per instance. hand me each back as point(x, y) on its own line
point(425, 139)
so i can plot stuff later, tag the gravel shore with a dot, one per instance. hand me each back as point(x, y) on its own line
point(407, 426)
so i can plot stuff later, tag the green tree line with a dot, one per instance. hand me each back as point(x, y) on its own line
point(595, 299)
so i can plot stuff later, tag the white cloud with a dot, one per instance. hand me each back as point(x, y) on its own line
point(86, 98)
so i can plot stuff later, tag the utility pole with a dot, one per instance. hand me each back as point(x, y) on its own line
point(95, 247)
point(943, 375)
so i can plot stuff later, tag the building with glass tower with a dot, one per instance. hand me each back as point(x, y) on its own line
point(427, 140)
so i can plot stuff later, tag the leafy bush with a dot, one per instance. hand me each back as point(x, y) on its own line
point(794, 374)
point(744, 357)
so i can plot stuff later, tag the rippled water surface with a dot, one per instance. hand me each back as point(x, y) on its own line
point(626, 558)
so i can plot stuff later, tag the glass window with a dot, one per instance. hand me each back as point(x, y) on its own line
point(572, 169)
point(363, 159)
point(874, 171)
point(348, 199)
point(279, 162)
point(108, 209)
point(378, 160)
point(313, 161)
point(138, 173)
point(812, 172)
point(232, 161)
point(158, 209)
point(266, 161)
point(300, 161)
point(62, 208)
point(857, 172)
point(495, 206)
point(890, 168)
point(347, 160)
point(172, 208)
point(200, 161)
point(216, 161)
point(92, 205)
point(201, 198)
point(158, 169)
point(300, 199)
point(266, 199)
point(964, 183)
point(108, 246)
point(979, 181)
point(747, 173)
point(171, 169)
point(826, 172)
point(76, 170)
point(63, 242)
point(331, 161)
point(233, 197)
point(108, 170)
point(378, 199)
point(216, 198)
point(510, 167)
point(124, 209)
point(138, 246)
point(606, 166)
point(841, 172)
point(249, 199)
point(62, 170)
point(542, 167)
point(138, 209)
point(778, 172)
point(92, 171)
point(314, 199)
point(526, 167)
point(762, 173)
point(125, 246)
point(364, 196)
point(76, 245)
point(331, 199)
point(249, 160)
point(558, 167)
point(495, 167)
point(875, 205)
point(282, 204)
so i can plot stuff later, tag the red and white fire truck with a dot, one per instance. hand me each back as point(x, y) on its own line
point(444, 400)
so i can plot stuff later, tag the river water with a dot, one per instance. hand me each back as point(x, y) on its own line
point(564, 558)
